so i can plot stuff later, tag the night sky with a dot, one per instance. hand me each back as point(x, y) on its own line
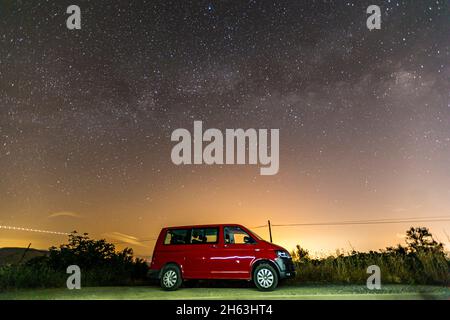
point(86, 118)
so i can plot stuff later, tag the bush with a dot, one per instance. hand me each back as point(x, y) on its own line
point(22, 276)
point(100, 264)
point(422, 261)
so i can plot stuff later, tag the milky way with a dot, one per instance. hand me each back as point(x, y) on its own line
point(86, 115)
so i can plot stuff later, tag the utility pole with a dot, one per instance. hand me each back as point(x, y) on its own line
point(25, 252)
point(270, 230)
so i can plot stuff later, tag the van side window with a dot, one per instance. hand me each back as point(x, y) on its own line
point(176, 236)
point(204, 235)
point(235, 235)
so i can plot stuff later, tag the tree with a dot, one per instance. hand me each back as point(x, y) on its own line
point(300, 254)
point(98, 260)
point(420, 239)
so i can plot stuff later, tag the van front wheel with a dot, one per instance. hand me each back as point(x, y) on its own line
point(171, 278)
point(265, 277)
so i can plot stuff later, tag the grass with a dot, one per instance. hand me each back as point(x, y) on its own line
point(327, 292)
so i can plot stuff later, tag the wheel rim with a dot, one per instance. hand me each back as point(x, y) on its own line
point(170, 278)
point(265, 278)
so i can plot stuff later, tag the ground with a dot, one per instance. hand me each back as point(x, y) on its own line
point(394, 292)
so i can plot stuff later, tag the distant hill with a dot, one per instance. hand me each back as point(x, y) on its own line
point(14, 255)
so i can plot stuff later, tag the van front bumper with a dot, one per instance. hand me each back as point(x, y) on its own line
point(286, 267)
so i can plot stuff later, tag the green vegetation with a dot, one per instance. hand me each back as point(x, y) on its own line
point(206, 292)
point(421, 261)
point(99, 260)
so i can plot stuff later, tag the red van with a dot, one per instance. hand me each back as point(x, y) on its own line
point(220, 251)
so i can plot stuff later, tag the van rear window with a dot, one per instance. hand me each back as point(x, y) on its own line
point(177, 236)
point(204, 235)
point(192, 236)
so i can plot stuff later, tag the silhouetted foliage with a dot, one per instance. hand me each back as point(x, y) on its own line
point(98, 260)
point(300, 254)
point(421, 261)
point(420, 239)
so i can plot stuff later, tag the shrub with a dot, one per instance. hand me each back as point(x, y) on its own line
point(98, 260)
point(421, 261)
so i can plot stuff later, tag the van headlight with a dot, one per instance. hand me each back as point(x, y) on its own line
point(283, 254)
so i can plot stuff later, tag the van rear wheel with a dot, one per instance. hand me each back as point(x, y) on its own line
point(171, 278)
point(265, 277)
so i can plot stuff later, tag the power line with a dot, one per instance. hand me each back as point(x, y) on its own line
point(366, 222)
point(263, 226)
point(332, 223)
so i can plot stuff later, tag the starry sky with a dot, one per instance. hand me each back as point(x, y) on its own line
point(86, 118)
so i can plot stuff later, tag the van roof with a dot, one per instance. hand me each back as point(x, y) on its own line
point(205, 226)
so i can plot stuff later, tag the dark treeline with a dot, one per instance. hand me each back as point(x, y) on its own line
point(421, 260)
point(100, 263)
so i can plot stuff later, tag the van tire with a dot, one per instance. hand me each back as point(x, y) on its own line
point(265, 277)
point(171, 278)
